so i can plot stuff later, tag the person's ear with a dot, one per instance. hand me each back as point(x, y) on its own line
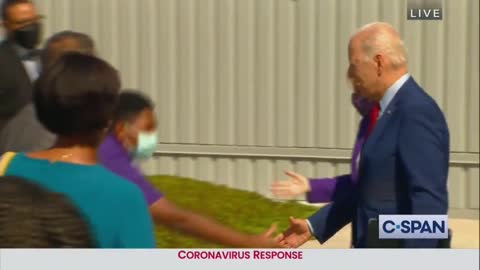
point(4, 24)
point(379, 63)
point(119, 130)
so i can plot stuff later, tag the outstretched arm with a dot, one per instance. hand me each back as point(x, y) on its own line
point(167, 213)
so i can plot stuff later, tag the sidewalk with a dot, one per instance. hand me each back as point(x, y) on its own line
point(465, 235)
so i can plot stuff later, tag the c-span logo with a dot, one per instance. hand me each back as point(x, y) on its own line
point(413, 226)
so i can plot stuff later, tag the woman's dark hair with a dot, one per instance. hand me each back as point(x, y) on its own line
point(76, 96)
point(32, 217)
point(130, 104)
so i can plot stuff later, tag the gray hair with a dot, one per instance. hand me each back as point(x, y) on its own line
point(383, 38)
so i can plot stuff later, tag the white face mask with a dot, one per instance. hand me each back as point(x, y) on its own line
point(147, 144)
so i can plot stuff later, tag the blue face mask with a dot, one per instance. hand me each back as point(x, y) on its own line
point(147, 144)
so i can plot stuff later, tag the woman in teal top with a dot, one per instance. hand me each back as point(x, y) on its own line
point(74, 99)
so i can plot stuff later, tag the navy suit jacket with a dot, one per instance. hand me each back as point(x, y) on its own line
point(403, 170)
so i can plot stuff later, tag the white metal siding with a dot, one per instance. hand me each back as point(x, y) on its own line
point(257, 75)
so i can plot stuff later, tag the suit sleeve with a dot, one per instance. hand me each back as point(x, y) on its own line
point(15, 85)
point(330, 219)
point(423, 156)
point(328, 189)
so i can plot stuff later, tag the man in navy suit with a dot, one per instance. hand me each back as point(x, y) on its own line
point(403, 165)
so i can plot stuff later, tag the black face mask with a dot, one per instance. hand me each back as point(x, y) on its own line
point(27, 36)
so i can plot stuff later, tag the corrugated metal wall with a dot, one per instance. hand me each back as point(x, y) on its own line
point(247, 88)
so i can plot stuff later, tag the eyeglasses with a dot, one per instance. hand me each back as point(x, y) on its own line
point(22, 23)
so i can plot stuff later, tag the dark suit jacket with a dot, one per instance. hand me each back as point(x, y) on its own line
point(15, 85)
point(20, 130)
point(403, 170)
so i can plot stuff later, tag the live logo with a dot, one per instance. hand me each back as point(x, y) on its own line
point(424, 14)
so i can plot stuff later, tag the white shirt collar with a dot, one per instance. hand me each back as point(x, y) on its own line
point(32, 70)
point(392, 91)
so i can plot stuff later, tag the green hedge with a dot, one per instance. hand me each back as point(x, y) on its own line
point(242, 210)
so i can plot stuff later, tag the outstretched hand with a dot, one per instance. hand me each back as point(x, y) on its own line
point(296, 185)
point(296, 235)
point(266, 239)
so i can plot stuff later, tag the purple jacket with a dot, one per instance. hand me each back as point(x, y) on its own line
point(326, 189)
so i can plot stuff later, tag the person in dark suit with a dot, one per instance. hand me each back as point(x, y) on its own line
point(19, 57)
point(23, 132)
point(403, 165)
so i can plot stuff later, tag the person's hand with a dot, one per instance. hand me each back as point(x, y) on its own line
point(296, 235)
point(266, 239)
point(296, 185)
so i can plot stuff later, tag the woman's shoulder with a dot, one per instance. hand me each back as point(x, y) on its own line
point(92, 175)
point(13, 159)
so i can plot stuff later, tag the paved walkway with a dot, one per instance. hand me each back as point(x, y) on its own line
point(465, 235)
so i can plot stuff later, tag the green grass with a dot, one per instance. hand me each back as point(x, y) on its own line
point(241, 210)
